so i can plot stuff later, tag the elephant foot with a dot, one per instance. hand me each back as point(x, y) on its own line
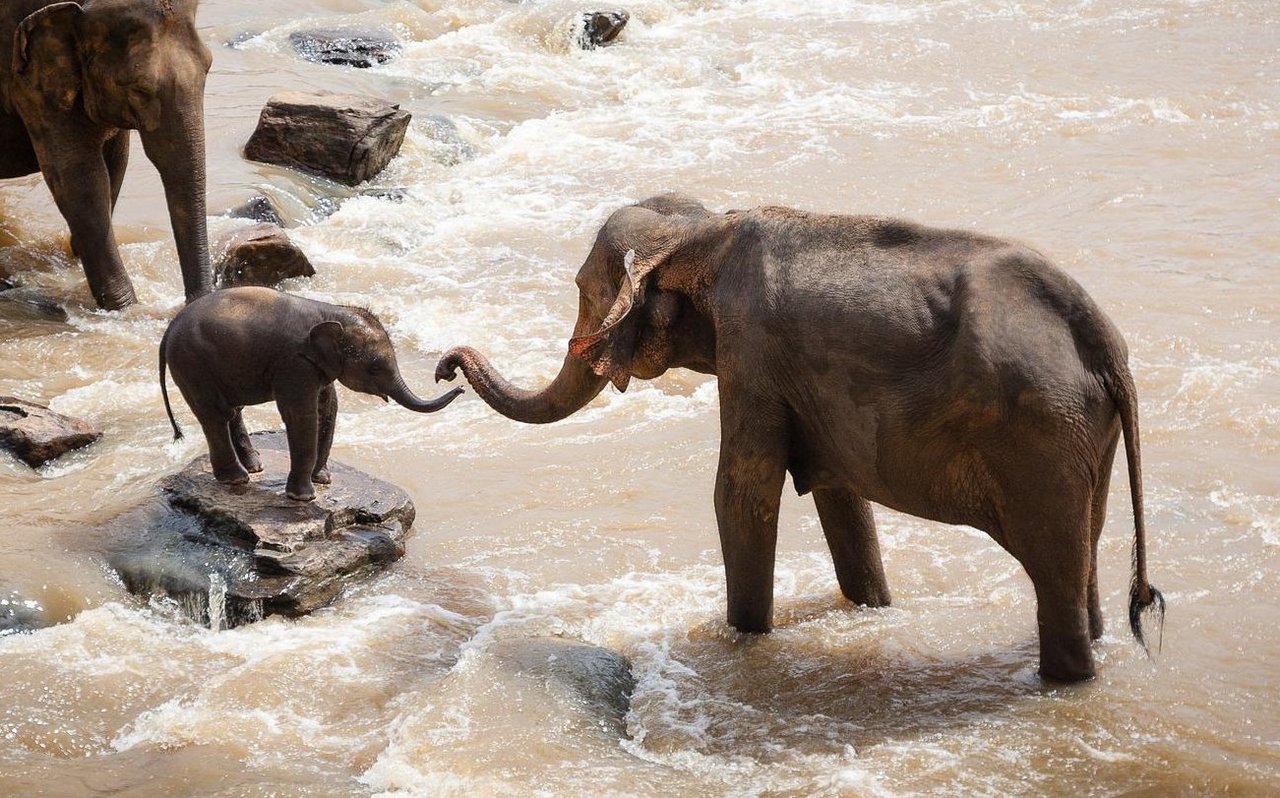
point(251, 461)
point(117, 298)
point(1067, 661)
point(228, 476)
point(321, 476)
point(301, 497)
point(299, 488)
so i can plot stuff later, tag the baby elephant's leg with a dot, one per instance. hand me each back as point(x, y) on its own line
point(299, 411)
point(328, 407)
point(222, 454)
point(245, 450)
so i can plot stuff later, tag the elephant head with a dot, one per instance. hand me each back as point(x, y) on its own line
point(357, 352)
point(642, 309)
point(136, 65)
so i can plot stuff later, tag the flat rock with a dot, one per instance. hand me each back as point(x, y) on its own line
point(352, 48)
point(259, 209)
point(601, 27)
point(230, 554)
point(343, 137)
point(261, 254)
point(37, 435)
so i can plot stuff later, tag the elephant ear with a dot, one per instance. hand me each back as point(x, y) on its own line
point(46, 55)
point(608, 351)
point(323, 348)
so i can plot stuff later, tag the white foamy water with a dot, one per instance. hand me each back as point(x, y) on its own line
point(1135, 143)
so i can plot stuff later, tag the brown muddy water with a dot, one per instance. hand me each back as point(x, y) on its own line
point(1136, 142)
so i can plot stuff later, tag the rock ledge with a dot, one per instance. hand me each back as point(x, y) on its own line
point(232, 554)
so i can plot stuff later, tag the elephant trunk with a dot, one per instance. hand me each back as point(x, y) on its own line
point(408, 399)
point(177, 148)
point(572, 388)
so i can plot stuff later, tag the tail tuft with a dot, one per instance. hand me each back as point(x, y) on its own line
point(1153, 601)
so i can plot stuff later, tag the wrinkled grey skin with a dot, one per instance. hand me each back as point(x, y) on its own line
point(74, 80)
point(246, 346)
point(944, 374)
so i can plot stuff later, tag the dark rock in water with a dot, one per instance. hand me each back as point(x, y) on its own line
point(6, 284)
point(230, 554)
point(259, 209)
point(28, 304)
point(37, 435)
point(353, 48)
point(592, 677)
point(601, 27)
point(342, 137)
point(19, 615)
point(261, 255)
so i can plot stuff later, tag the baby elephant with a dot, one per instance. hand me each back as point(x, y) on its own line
point(245, 346)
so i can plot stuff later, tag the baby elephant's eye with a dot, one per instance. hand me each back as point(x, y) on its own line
point(375, 368)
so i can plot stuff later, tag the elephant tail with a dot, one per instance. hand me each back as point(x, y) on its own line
point(164, 391)
point(1142, 595)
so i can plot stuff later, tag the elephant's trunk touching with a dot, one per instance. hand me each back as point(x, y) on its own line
point(177, 149)
point(408, 399)
point(572, 388)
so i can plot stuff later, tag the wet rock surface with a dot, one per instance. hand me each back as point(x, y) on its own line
point(262, 254)
point(37, 434)
point(231, 554)
point(28, 304)
point(601, 27)
point(351, 48)
point(259, 209)
point(19, 614)
point(596, 679)
point(346, 138)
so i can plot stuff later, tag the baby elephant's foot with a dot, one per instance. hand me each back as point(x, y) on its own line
point(321, 476)
point(251, 461)
point(304, 495)
point(231, 475)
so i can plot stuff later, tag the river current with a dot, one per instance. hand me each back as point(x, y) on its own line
point(1136, 142)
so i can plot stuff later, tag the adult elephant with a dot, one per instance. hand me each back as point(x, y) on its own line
point(945, 374)
point(74, 80)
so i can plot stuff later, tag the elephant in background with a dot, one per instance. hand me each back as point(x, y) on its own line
point(947, 375)
point(249, 345)
point(74, 80)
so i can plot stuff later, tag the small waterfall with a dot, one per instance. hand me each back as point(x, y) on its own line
point(217, 601)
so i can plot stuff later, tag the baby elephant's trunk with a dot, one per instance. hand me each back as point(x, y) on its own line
point(407, 398)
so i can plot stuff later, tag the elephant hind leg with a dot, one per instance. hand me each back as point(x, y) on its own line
point(243, 445)
point(1052, 541)
point(850, 529)
point(1097, 520)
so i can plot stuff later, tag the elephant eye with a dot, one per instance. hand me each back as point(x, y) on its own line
point(375, 368)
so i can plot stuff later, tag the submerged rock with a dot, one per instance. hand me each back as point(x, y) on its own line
point(28, 304)
point(261, 255)
point(590, 677)
point(343, 137)
point(601, 27)
point(230, 554)
point(37, 435)
point(353, 48)
point(259, 209)
point(18, 614)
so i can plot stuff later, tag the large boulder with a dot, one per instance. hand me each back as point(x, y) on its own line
point(37, 435)
point(343, 137)
point(261, 254)
point(353, 48)
point(231, 554)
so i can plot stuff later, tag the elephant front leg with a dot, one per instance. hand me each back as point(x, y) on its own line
point(328, 420)
point(301, 425)
point(850, 529)
point(115, 154)
point(81, 185)
point(753, 454)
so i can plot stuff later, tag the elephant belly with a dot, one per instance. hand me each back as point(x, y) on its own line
point(17, 158)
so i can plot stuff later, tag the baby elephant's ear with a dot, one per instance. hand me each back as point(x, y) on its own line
point(323, 347)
